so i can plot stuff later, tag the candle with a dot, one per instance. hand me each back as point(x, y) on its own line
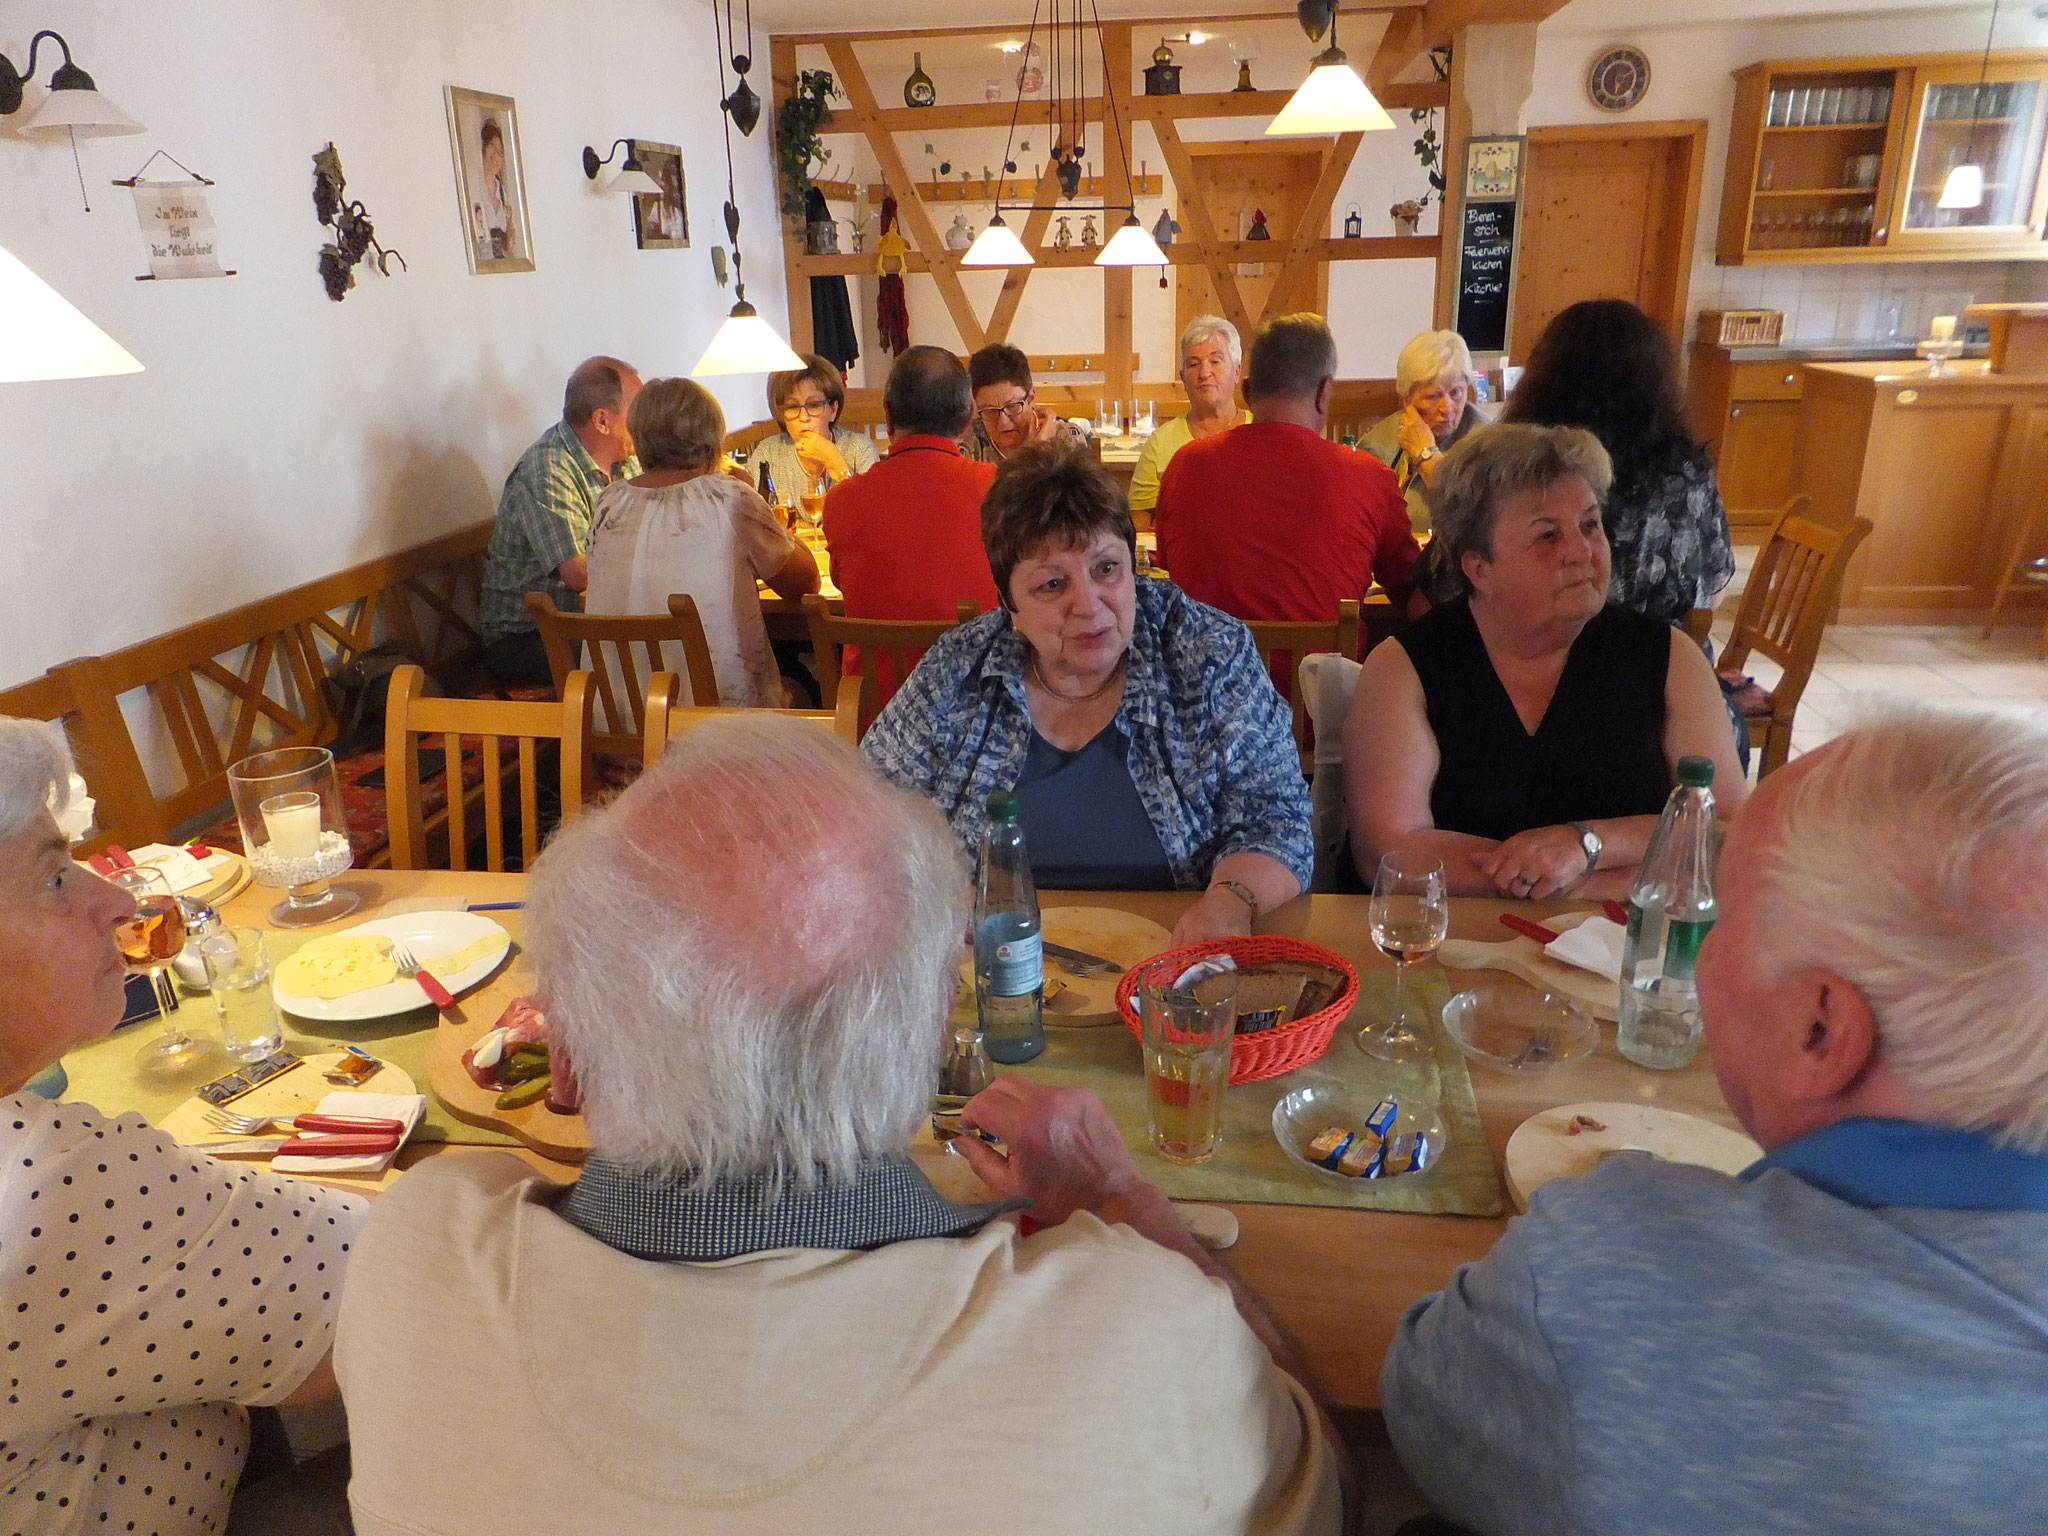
point(1941, 328)
point(293, 822)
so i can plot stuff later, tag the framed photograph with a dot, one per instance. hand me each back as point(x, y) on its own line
point(490, 184)
point(1493, 170)
point(661, 223)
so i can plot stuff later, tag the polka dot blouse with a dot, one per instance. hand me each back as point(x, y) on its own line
point(147, 1294)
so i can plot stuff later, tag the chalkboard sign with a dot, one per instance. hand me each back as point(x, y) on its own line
point(1486, 265)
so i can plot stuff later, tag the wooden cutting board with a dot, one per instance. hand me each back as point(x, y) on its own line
point(1543, 1147)
point(1522, 956)
point(1080, 1002)
point(561, 1137)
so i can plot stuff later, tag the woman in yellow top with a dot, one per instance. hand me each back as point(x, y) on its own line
point(1211, 358)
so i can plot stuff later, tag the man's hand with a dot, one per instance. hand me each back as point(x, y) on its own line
point(1065, 1154)
point(1543, 861)
point(1416, 439)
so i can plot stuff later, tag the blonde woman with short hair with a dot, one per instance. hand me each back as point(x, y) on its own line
point(1433, 376)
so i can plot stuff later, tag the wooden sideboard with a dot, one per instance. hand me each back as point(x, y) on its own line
point(1947, 468)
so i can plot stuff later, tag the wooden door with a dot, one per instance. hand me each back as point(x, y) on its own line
point(1607, 213)
point(1234, 181)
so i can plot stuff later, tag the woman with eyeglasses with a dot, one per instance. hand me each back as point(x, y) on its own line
point(812, 453)
point(1007, 414)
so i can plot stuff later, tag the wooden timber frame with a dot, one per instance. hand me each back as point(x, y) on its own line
point(1413, 26)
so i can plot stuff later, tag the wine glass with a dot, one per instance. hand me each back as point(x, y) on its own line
point(1410, 916)
point(150, 939)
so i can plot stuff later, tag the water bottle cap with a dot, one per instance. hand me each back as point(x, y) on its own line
point(1697, 772)
point(1002, 806)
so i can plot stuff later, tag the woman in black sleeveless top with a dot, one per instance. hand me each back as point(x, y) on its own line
point(1526, 733)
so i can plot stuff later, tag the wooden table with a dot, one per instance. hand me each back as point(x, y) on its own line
point(1339, 1280)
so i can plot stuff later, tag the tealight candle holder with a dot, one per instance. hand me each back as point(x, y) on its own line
point(293, 833)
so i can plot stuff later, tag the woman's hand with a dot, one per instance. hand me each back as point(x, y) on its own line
point(1045, 424)
point(1218, 915)
point(819, 455)
point(1531, 865)
point(1416, 438)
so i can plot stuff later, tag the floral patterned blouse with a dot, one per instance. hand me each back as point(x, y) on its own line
point(1671, 547)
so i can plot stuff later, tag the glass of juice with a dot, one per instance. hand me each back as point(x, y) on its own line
point(1187, 1064)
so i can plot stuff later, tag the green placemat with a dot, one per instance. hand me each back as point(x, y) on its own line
point(1249, 1167)
point(103, 1074)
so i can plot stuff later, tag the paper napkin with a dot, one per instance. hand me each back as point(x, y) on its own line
point(1594, 945)
point(409, 1107)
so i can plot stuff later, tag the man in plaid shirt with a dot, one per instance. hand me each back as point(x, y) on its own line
point(544, 516)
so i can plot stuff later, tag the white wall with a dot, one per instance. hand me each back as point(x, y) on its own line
point(277, 436)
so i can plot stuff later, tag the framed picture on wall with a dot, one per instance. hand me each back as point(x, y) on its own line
point(661, 223)
point(490, 186)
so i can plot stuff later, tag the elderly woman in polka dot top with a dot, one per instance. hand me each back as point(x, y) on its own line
point(148, 1296)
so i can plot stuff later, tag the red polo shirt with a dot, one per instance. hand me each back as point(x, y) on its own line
point(1272, 521)
point(905, 538)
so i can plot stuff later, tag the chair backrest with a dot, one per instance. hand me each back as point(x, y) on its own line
point(528, 725)
point(1791, 595)
point(49, 698)
point(743, 439)
point(667, 720)
point(888, 649)
point(1284, 644)
point(1327, 682)
point(1358, 405)
point(607, 643)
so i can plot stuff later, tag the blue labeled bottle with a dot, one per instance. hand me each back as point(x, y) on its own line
point(1009, 960)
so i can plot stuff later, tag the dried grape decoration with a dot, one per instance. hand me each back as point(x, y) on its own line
point(354, 238)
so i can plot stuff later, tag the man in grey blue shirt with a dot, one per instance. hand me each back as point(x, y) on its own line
point(1853, 1336)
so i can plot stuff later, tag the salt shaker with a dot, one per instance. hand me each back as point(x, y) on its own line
point(201, 922)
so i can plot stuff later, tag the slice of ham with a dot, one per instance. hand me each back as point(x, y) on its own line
point(523, 1023)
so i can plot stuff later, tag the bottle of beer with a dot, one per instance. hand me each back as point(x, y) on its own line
point(1008, 954)
point(767, 484)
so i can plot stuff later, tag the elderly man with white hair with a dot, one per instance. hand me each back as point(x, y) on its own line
point(1853, 1334)
point(752, 1312)
point(1433, 377)
point(153, 1294)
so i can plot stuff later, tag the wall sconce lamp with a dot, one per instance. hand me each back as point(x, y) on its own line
point(632, 175)
point(74, 104)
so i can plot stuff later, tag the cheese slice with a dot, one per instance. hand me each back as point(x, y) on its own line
point(337, 966)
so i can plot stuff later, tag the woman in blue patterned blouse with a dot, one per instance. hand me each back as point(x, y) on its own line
point(1137, 727)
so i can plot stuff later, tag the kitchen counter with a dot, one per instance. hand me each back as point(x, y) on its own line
point(1835, 352)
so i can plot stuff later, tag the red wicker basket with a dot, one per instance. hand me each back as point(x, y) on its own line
point(1253, 1058)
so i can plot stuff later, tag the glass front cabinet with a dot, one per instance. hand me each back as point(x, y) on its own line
point(1848, 160)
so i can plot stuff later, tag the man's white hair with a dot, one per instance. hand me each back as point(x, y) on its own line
point(1203, 327)
point(35, 772)
point(748, 956)
point(1429, 357)
point(1912, 859)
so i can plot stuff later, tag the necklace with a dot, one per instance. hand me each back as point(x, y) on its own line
point(1115, 674)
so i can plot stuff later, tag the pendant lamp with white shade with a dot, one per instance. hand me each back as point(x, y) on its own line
point(42, 336)
point(1332, 100)
point(1964, 188)
point(1131, 246)
point(997, 246)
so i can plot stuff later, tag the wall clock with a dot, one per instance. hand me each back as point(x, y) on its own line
point(1618, 78)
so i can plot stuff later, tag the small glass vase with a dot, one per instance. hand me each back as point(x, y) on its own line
point(293, 833)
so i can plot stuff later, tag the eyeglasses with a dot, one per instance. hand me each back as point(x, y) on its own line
point(817, 407)
point(1016, 410)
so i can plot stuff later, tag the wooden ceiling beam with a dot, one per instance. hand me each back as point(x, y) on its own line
point(1141, 109)
point(1143, 24)
point(1443, 18)
point(1306, 246)
point(1014, 278)
point(1194, 214)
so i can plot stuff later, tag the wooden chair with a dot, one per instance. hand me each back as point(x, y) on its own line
point(532, 725)
point(1282, 641)
point(608, 642)
point(667, 719)
point(1786, 606)
point(902, 641)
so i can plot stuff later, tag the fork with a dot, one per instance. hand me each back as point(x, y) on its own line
point(437, 994)
point(252, 1125)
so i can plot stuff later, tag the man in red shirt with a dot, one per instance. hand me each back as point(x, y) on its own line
point(905, 538)
point(1271, 520)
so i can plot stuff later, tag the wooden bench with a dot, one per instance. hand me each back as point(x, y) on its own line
point(210, 693)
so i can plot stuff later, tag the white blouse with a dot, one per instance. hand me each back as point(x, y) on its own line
point(148, 1294)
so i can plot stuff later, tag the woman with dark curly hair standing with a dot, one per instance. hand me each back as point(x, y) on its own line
point(1604, 365)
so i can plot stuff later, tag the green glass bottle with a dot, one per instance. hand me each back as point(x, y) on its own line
point(918, 90)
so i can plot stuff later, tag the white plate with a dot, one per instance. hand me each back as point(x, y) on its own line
point(428, 935)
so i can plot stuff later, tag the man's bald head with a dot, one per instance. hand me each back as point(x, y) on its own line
point(749, 954)
point(598, 384)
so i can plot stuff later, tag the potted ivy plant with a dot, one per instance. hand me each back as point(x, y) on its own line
point(798, 143)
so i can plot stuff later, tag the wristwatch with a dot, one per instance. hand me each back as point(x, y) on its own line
point(1241, 891)
point(1589, 840)
point(1427, 454)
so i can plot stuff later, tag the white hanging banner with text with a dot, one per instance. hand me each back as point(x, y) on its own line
point(178, 227)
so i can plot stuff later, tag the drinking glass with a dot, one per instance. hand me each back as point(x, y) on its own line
point(1187, 1064)
point(1109, 419)
point(238, 970)
point(150, 940)
point(289, 805)
point(1410, 915)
